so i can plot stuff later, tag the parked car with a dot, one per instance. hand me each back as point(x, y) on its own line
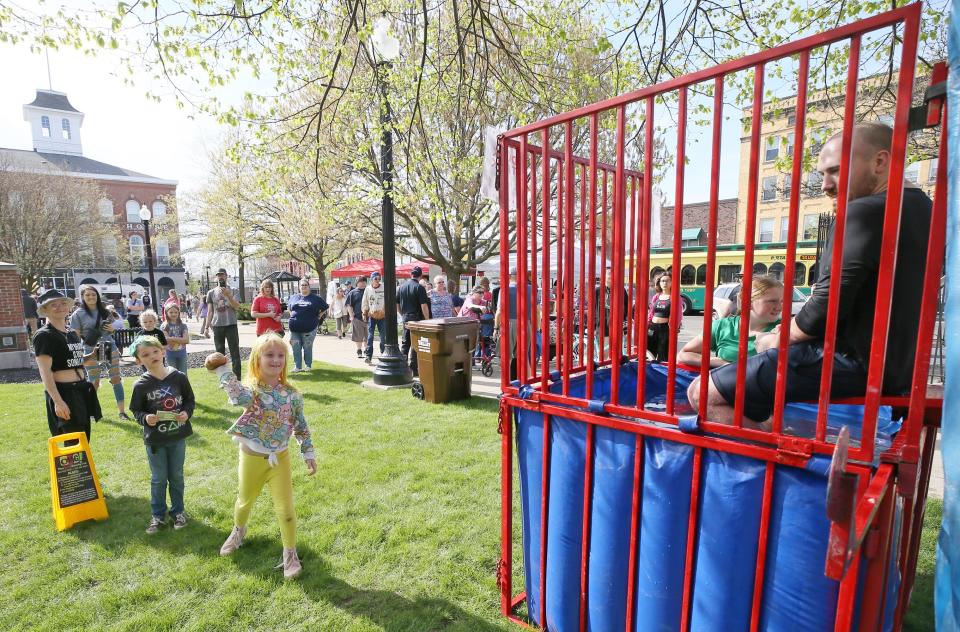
point(725, 300)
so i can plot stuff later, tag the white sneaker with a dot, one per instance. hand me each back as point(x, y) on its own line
point(291, 564)
point(234, 541)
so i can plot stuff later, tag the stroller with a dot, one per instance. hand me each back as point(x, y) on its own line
point(486, 347)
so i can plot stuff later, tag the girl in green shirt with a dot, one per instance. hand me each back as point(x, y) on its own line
point(766, 302)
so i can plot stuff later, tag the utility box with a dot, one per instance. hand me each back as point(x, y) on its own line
point(444, 354)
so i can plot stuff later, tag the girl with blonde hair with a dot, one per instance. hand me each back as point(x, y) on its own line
point(766, 302)
point(273, 411)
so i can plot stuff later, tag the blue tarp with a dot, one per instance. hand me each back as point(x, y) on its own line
point(947, 595)
point(797, 595)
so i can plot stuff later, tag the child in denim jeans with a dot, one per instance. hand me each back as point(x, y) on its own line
point(163, 404)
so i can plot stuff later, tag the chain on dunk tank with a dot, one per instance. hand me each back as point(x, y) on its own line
point(636, 511)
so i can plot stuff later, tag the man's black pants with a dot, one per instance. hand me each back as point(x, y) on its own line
point(230, 335)
point(407, 352)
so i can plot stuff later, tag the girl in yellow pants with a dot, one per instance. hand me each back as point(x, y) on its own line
point(273, 411)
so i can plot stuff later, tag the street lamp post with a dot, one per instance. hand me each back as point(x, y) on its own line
point(145, 217)
point(391, 369)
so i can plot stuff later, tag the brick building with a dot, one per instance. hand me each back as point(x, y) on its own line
point(696, 220)
point(55, 125)
point(14, 348)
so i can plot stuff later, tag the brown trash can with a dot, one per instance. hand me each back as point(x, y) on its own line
point(444, 356)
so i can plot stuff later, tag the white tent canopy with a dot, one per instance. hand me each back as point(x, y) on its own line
point(491, 267)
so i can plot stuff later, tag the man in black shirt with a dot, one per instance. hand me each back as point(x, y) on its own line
point(413, 304)
point(869, 166)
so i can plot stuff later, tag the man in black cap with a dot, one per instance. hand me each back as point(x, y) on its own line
point(222, 318)
point(412, 305)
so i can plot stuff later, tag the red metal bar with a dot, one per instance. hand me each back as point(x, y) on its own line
point(587, 508)
point(587, 336)
point(878, 565)
point(762, 547)
point(647, 239)
point(749, 235)
point(562, 238)
point(636, 508)
point(848, 576)
point(784, 344)
point(506, 443)
point(780, 52)
point(565, 324)
point(533, 244)
point(640, 302)
point(545, 272)
point(839, 227)
point(522, 307)
point(602, 314)
point(504, 301)
point(578, 331)
point(676, 313)
point(891, 235)
point(544, 508)
point(931, 289)
point(711, 243)
point(688, 569)
point(616, 290)
point(630, 309)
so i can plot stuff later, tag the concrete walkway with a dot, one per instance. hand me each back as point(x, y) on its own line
point(329, 348)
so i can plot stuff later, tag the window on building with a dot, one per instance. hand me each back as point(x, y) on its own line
point(702, 274)
point(772, 150)
point(912, 174)
point(776, 270)
point(106, 208)
point(784, 227)
point(109, 251)
point(163, 252)
point(817, 138)
point(787, 186)
point(159, 208)
point(810, 228)
point(85, 251)
point(788, 141)
point(932, 175)
point(759, 268)
point(688, 275)
point(65, 129)
point(45, 126)
point(133, 211)
point(792, 119)
point(769, 189)
point(814, 185)
point(799, 273)
point(136, 250)
point(766, 230)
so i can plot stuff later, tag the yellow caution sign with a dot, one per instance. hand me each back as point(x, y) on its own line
point(74, 486)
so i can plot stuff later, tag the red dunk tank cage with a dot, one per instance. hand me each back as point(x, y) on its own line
point(636, 511)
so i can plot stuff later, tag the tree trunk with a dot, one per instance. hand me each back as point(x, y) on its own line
point(319, 266)
point(243, 290)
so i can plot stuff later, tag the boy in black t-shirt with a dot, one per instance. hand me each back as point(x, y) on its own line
point(163, 404)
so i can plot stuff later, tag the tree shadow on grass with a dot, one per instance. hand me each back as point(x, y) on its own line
point(343, 376)
point(258, 557)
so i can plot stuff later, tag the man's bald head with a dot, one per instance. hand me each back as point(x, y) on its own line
point(869, 160)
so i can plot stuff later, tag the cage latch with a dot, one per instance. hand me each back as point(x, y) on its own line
point(794, 451)
point(929, 112)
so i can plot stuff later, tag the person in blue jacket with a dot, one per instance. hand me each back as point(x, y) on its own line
point(306, 309)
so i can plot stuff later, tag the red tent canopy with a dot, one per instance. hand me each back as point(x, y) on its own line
point(359, 268)
point(403, 271)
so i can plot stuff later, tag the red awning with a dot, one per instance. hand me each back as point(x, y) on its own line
point(359, 268)
point(404, 270)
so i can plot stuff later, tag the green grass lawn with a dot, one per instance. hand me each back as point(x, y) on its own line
point(398, 530)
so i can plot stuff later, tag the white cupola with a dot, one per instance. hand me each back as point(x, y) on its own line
point(55, 123)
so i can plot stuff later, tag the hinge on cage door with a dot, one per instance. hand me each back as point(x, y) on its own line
point(929, 112)
point(794, 451)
